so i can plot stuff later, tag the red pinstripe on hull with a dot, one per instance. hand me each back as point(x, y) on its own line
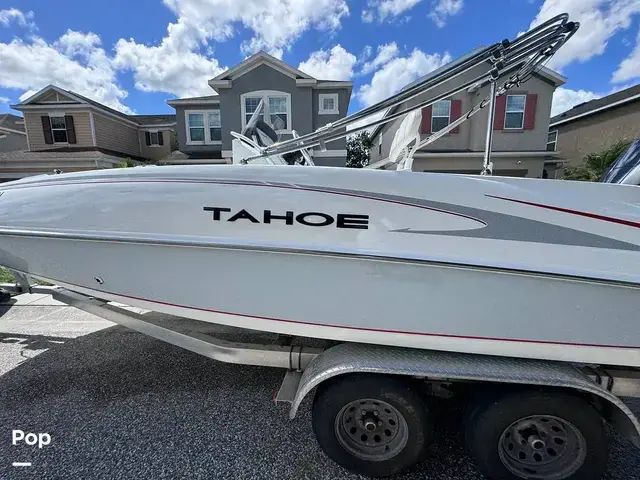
point(346, 327)
point(572, 212)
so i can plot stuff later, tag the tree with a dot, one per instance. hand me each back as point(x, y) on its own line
point(595, 164)
point(358, 146)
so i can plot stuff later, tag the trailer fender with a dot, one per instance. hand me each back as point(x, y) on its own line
point(361, 358)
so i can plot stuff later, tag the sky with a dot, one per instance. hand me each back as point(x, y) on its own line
point(134, 55)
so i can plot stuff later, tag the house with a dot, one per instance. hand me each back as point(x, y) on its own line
point(67, 131)
point(596, 125)
point(294, 101)
point(520, 127)
point(12, 133)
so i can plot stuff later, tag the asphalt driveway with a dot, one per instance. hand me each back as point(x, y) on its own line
point(118, 404)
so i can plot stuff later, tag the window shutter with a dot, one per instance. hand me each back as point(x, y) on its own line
point(46, 129)
point(501, 110)
point(456, 111)
point(71, 129)
point(147, 137)
point(530, 111)
point(160, 139)
point(425, 124)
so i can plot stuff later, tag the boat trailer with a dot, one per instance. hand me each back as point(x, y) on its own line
point(489, 378)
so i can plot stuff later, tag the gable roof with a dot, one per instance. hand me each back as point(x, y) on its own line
point(598, 105)
point(12, 123)
point(77, 98)
point(257, 59)
point(208, 99)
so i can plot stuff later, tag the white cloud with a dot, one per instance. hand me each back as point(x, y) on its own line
point(442, 9)
point(599, 19)
point(13, 14)
point(629, 68)
point(335, 64)
point(4, 100)
point(565, 98)
point(75, 61)
point(176, 66)
point(385, 54)
point(167, 68)
point(386, 9)
point(398, 73)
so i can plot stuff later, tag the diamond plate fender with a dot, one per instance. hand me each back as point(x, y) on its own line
point(354, 358)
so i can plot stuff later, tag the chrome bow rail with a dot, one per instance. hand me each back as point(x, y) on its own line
point(523, 56)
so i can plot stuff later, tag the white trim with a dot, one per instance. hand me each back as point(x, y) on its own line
point(265, 94)
point(321, 97)
point(441, 116)
point(189, 101)
point(480, 154)
point(158, 126)
point(506, 111)
point(328, 153)
point(220, 83)
point(555, 142)
point(26, 131)
point(227, 153)
point(11, 130)
point(66, 133)
point(552, 75)
point(334, 84)
point(54, 88)
point(258, 59)
point(306, 82)
point(600, 109)
point(3, 135)
point(93, 129)
point(205, 120)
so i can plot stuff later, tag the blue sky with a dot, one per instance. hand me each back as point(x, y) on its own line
point(134, 55)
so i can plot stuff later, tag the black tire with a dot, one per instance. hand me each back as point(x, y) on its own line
point(334, 396)
point(487, 445)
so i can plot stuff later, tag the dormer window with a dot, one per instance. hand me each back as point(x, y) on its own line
point(276, 105)
point(328, 103)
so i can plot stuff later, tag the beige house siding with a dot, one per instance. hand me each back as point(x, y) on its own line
point(54, 96)
point(33, 124)
point(595, 132)
point(473, 131)
point(155, 152)
point(114, 135)
point(511, 166)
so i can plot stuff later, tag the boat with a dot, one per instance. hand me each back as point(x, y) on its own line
point(482, 264)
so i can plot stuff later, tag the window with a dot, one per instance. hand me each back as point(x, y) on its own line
point(328, 104)
point(552, 141)
point(59, 130)
point(440, 115)
point(276, 110)
point(380, 144)
point(153, 138)
point(514, 115)
point(215, 126)
point(200, 132)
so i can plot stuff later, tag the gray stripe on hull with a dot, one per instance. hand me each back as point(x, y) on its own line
point(499, 226)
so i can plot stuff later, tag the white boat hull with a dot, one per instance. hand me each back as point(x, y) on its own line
point(145, 238)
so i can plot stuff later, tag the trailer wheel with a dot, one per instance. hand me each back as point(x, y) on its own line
point(370, 424)
point(542, 436)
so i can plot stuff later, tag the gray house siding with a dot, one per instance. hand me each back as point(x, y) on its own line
point(321, 120)
point(181, 128)
point(10, 141)
point(263, 78)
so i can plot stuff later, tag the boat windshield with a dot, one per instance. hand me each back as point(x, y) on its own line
point(623, 165)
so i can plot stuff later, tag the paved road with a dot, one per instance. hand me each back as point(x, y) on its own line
point(121, 405)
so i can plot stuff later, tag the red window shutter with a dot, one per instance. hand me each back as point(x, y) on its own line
point(425, 125)
point(456, 111)
point(501, 110)
point(530, 111)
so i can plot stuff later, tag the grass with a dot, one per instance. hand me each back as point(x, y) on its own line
point(7, 277)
